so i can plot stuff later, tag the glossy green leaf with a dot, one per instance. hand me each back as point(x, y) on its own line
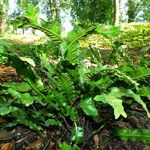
point(140, 73)
point(138, 99)
point(53, 122)
point(20, 87)
point(65, 146)
point(6, 109)
point(28, 60)
point(136, 135)
point(25, 98)
point(144, 91)
point(113, 99)
point(70, 111)
point(77, 135)
point(32, 13)
point(89, 108)
point(24, 69)
point(29, 123)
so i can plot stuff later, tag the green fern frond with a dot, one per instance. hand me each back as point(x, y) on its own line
point(66, 86)
point(24, 98)
point(23, 68)
point(72, 38)
point(26, 70)
point(51, 122)
point(144, 91)
point(52, 32)
point(136, 135)
point(140, 73)
point(76, 35)
point(72, 54)
point(20, 87)
point(138, 99)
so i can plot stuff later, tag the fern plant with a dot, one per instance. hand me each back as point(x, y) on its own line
point(141, 135)
point(68, 86)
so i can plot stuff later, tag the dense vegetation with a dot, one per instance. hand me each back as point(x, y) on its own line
point(70, 79)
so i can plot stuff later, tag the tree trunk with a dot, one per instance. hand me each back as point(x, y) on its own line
point(117, 12)
point(2, 24)
point(53, 9)
point(131, 11)
point(3, 17)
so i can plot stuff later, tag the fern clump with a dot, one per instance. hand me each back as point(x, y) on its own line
point(65, 89)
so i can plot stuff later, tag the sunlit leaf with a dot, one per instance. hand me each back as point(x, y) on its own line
point(144, 91)
point(113, 99)
point(20, 87)
point(6, 109)
point(138, 99)
point(65, 146)
point(89, 108)
point(25, 98)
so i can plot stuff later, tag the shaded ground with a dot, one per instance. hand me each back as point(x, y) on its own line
point(97, 136)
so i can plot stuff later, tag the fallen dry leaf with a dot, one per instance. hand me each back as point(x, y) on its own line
point(2, 120)
point(6, 135)
point(8, 146)
point(36, 145)
point(96, 142)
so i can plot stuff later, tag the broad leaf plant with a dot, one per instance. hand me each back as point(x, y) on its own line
point(59, 90)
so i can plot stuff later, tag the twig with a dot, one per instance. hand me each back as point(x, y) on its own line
point(46, 145)
point(67, 125)
point(92, 135)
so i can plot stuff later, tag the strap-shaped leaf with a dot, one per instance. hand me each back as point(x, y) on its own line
point(32, 13)
point(72, 54)
point(6, 109)
point(136, 135)
point(89, 108)
point(140, 73)
point(77, 34)
point(113, 99)
point(65, 146)
point(26, 70)
point(20, 87)
point(31, 19)
point(73, 37)
point(66, 86)
point(53, 32)
point(25, 98)
point(138, 99)
point(50, 122)
point(23, 68)
point(144, 91)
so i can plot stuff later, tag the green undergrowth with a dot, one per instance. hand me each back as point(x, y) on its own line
point(132, 36)
point(65, 85)
point(135, 35)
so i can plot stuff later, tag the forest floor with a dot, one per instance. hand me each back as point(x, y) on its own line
point(96, 137)
point(24, 39)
